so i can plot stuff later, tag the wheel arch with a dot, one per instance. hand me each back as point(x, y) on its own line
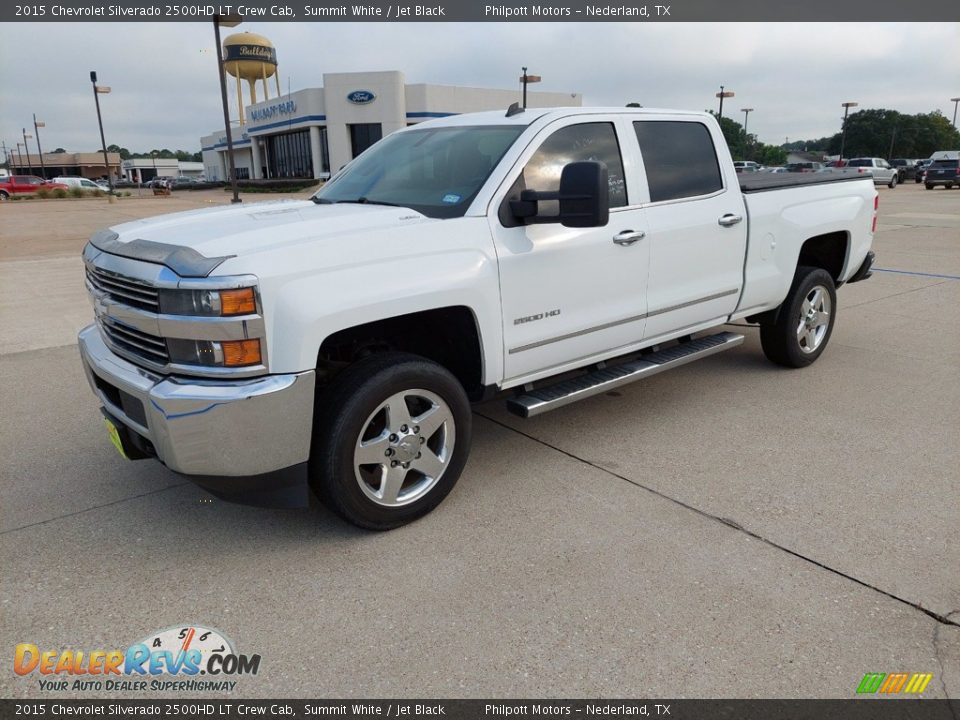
point(449, 336)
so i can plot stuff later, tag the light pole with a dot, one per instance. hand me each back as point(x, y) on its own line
point(527, 79)
point(746, 114)
point(955, 101)
point(25, 136)
point(36, 129)
point(226, 21)
point(19, 159)
point(723, 94)
point(843, 131)
point(97, 91)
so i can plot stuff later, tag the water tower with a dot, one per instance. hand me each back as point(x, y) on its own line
point(251, 57)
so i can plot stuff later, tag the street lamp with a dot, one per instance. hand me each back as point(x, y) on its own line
point(527, 79)
point(746, 114)
point(36, 128)
point(723, 94)
point(843, 132)
point(226, 21)
point(25, 136)
point(955, 101)
point(19, 159)
point(99, 90)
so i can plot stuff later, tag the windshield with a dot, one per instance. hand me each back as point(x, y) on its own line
point(435, 171)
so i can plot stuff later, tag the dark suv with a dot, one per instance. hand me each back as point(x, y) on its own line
point(942, 172)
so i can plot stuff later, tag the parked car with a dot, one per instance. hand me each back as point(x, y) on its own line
point(746, 166)
point(775, 169)
point(878, 168)
point(11, 185)
point(942, 172)
point(183, 182)
point(158, 181)
point(921, 170)
point(83, 183)
point(906, 168)
point(215, 341)
point(803, 166)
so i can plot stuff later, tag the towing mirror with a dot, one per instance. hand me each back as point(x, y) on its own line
point(584, 198)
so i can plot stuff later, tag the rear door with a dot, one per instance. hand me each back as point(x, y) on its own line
point(696, 224)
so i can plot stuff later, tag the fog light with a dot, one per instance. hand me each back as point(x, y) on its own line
point(237, 353)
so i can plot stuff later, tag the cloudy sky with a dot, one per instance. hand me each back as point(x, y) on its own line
point(165, 91)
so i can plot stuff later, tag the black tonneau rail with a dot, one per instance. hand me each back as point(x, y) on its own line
point(761, 181)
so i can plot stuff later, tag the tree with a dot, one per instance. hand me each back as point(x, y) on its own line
point(124, 153)
point(746, 147)
point(888, 133)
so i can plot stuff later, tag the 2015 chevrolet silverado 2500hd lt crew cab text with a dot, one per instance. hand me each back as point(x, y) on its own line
point(542, 256)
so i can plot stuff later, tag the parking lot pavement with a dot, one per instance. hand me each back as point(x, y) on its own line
point(540, 575)
point(729, 529)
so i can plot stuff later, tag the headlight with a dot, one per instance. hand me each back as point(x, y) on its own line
point(217, 303)
point(226, 353)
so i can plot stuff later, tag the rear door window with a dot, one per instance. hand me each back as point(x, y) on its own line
point(679, 159)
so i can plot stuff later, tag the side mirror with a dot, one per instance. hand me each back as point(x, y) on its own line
point(584, 198)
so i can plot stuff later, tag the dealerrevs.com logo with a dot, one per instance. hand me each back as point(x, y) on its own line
point(190, 658)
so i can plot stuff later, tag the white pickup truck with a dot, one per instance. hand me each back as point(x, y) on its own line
point(539, 256)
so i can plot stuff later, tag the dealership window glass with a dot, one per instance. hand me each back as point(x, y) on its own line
point(679, 159)
point(575, 143)
point(435, 171)
point(363, 136)
point(288, 155)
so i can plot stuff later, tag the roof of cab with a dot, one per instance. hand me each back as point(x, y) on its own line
point(530, 115)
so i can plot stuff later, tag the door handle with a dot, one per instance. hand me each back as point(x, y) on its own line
point(628, 237)
point(730, 219)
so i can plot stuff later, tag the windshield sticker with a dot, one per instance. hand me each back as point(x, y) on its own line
point(451, 198)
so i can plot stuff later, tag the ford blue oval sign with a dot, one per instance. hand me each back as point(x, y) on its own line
point(361, 97)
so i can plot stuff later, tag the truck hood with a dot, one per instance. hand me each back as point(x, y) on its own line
point(247, 229)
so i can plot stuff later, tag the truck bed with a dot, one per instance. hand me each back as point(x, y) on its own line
point(761, 182)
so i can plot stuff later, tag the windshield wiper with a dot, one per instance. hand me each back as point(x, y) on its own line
point(322, 201)
point(368, 201)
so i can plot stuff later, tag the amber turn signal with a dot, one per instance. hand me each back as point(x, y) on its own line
point(237, 353)
point(237, 302)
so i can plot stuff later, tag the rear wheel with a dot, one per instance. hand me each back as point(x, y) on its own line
point(805, 322)
point(391, 437)
point(928, 186)
point(4, 195)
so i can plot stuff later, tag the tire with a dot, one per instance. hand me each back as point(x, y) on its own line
point(928, 186)
point(4, 195)
point(893, 182)
point(949, 186)
point(805, 323)
point(418, 466)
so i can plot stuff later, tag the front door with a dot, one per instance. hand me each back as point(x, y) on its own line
point(569, 294)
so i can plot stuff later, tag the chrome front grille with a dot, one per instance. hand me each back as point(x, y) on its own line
point(149, 347)
point(124, 290)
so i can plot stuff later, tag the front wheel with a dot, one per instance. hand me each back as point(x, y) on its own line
point(806, 320)
point(928, 186)
point(893, 182)
point(391, 437)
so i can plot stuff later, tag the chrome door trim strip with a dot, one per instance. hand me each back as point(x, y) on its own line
point(624, 321)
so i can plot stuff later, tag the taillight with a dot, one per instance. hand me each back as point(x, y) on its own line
point(876, 202)
point(876, 208)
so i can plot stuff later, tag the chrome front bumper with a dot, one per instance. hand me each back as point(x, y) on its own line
point(199, 427)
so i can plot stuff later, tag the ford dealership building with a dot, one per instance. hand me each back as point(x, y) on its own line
point(309, 132)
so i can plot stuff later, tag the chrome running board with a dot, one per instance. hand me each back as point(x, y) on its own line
point(535, 402)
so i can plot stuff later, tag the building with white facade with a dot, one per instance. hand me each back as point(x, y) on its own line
point(309, 132)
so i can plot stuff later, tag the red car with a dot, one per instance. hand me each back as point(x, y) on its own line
point(25, 185)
